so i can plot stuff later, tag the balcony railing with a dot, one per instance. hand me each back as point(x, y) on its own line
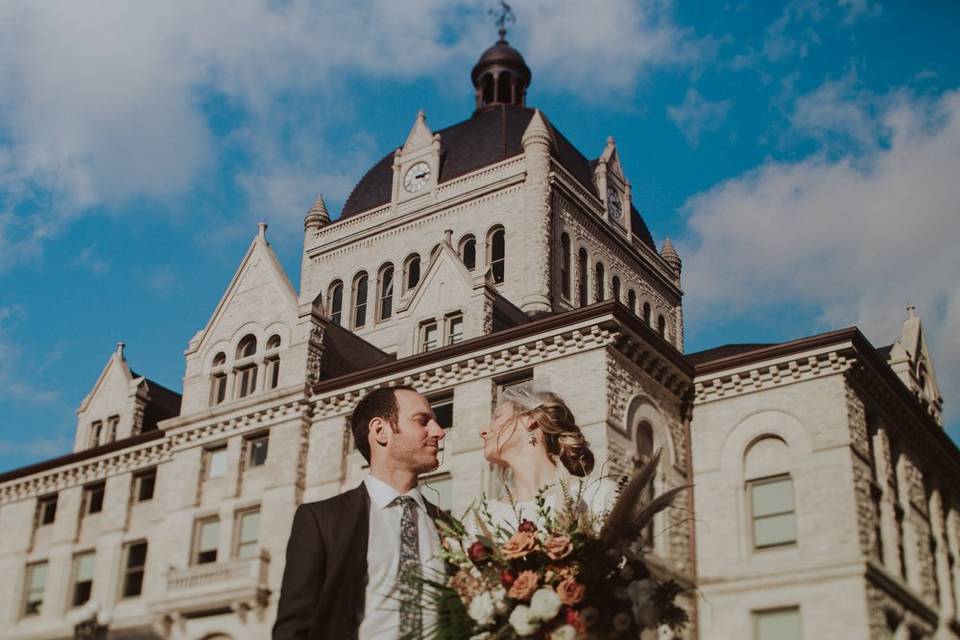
point(239, 584)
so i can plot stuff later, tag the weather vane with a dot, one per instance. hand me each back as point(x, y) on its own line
point(503, 16)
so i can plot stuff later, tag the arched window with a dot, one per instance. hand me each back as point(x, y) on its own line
point(646, 313)
point(496, 252)
point(503, 89)
point(386, 292)
point(616, 288)
point(246, 373)
point(662, 326)
point(632, 300)
point(218, 386)
point(336, 302)
point(468, 252)
point(247, 346)
point(643, 435)
point(411, 271)
point(565, 266)
point(360, 300)
point(598, 282)
point(272, 362)
point(582, 294)
point(769, 488)
point(487, 84)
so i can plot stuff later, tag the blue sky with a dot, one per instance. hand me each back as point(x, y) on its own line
point(802, 156)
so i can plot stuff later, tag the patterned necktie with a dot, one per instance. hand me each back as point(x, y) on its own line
point(408, 571)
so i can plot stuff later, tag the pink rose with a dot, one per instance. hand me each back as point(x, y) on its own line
point(557, 547)
point(524, 586)
point(570, 591)
point(519, 545)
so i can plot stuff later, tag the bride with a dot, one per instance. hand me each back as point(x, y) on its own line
point(534, 436)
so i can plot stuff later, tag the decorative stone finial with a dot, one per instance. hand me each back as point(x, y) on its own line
point(911, 311)
point(671, 256)
point(537, 131)
point(317, 216)
point(120, 347)
point(262, 231)
point(448, 237)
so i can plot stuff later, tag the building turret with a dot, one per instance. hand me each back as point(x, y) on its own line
point(501, 76)
point(671, 256)
point(317, 217)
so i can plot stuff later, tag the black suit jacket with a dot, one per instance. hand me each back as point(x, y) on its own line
point(325, 577)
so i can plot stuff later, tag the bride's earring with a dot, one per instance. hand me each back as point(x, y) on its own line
point(532, 439)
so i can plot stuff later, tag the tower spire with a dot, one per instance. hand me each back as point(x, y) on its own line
point(503, 15)
point(501, 76)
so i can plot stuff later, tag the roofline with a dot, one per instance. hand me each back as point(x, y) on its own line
point(620, 313)
point(778, 350)
point(868, 353)
point(79, 456)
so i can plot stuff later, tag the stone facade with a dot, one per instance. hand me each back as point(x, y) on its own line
point(186, 503)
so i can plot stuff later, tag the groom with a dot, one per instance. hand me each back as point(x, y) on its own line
point(345, 554)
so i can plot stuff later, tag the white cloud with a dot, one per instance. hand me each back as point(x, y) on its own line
point(796, 29)
point(856, 237)
point(14, 384)
point(108, 103)
point(695, 115)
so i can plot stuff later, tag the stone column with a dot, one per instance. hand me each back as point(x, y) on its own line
point(536, 241)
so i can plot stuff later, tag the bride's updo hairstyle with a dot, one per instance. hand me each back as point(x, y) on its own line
point(562, 437)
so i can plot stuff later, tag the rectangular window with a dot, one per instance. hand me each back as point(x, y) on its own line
point(247, 533)
point(34, 584)
point(454, 329)
point(777, 624)
point(273, 372)
point(246, 380)
point(218, 390)
point(134, 566)
point(82, 578)
point(216, 462)
point(257, 451)
point(143, 484)
point(93, 498)
point(46, 510)
point(112, 423)
point(443, 410)
point(772, 510)
point(96, 431)
point(428, 336)
point(205, 541)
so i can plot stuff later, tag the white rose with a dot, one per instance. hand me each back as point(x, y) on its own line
point(566, 632)
point(522, 621)
point(500, 600)
point(481, 608)
point(545, 604)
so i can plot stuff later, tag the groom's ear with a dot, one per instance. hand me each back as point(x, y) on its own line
point(379, 429)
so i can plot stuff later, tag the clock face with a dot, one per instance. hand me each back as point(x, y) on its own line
point(416, 177)
point(614, 205)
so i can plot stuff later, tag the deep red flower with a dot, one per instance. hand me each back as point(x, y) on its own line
point(526, 525)
point(478, 552)
point(573, 619)
point(506, 579)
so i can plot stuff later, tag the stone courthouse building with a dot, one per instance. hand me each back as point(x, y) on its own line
point(472, 258)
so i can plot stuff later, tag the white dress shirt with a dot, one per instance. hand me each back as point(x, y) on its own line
point(381, 618)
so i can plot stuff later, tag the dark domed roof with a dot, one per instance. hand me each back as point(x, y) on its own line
point(503, 55)
point(490, 136)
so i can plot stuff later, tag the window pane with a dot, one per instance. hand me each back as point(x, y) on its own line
point(413, 272)
point(94, 498)
point(456, 330)
point(35, 581)
point(771, 530)
point(778, 625)
point(48, 509)
point(336, 303)
point(429, 337)
point(258, 452)
point(443, 409)
point(216, 462)
point(84, 567)
point(386, 293)
point(772, 497)
point(137, 555)
point(145, 485)
point(470, 254)
point(209, 532)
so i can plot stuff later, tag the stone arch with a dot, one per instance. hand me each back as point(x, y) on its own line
point(643, 409)
point(760, 424)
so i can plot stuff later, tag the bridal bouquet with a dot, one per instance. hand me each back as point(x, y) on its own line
point(562, 577)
